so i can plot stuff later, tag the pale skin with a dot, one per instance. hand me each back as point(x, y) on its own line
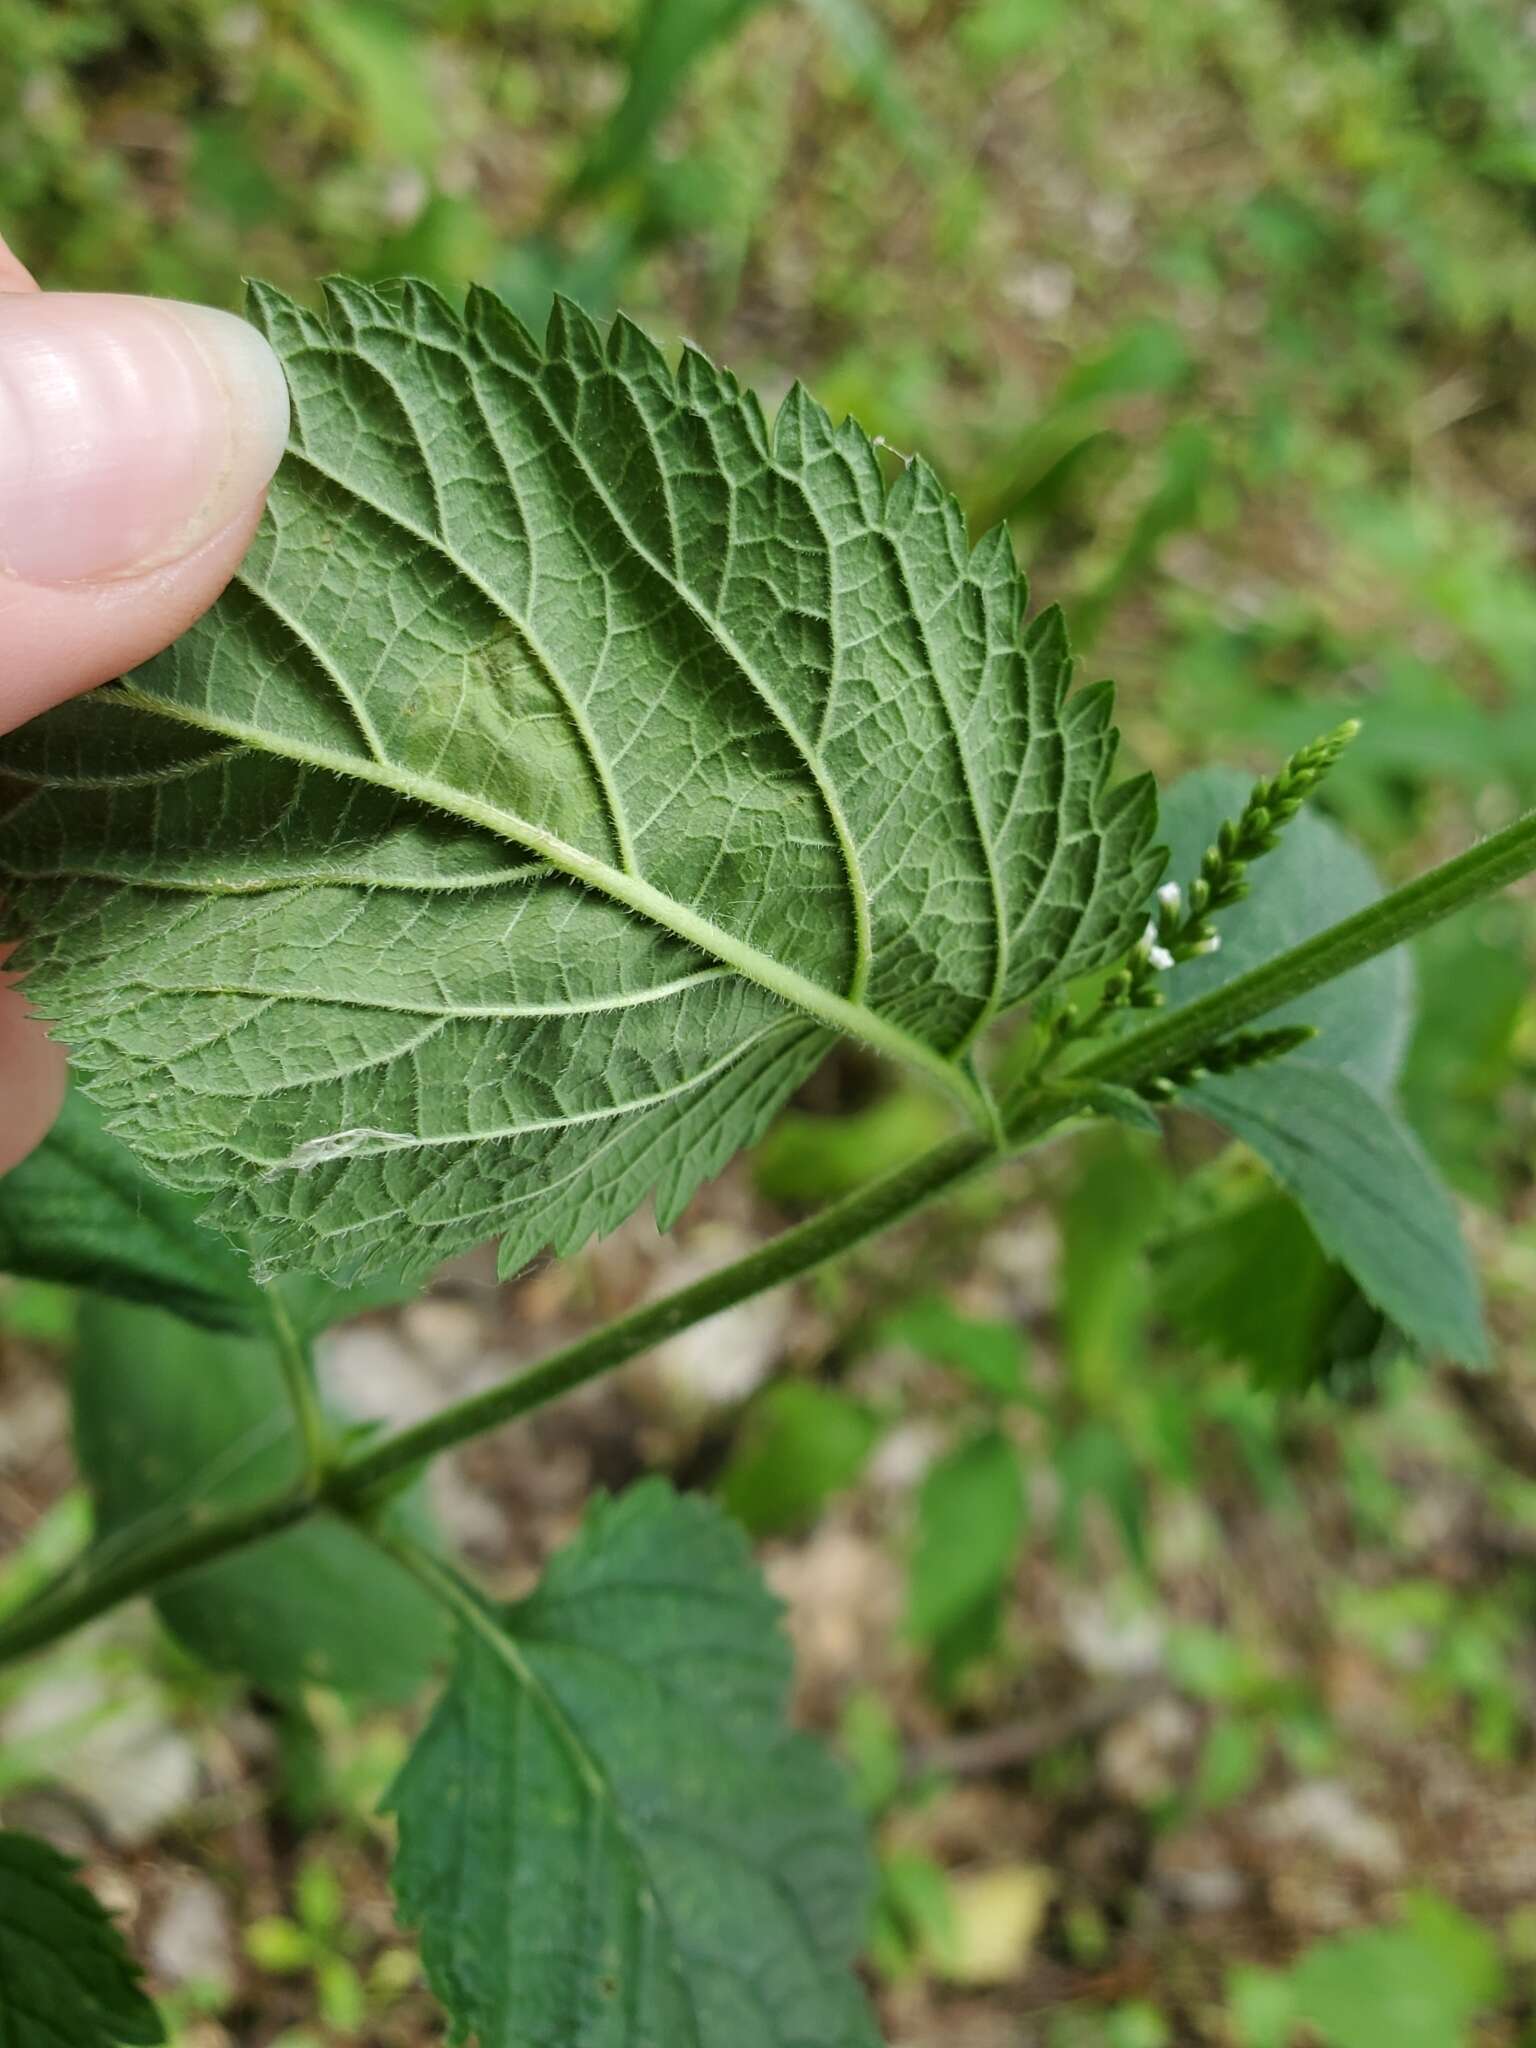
point(137, 439)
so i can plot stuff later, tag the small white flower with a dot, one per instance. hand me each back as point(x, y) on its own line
point(1149, 936)
point(1159, 957)
point(1170, 896)
point(1210, 945)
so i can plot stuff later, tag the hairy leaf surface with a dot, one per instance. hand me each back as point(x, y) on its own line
point(65, 1975)
point(80, 1210)
point(574, 756)
point(608, 1832)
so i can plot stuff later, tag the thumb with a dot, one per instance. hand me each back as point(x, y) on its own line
point(136, 439)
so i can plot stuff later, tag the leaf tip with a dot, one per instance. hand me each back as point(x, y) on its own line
point(572, 336)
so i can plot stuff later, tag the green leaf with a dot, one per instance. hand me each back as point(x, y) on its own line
point(173, 1423)
point(1324, 1119)
point(608, 1833)
point(989, 1353)
point(1369, 1192)
point(1108, 1221)
point(1262, 2007)
point(1254, 1283)
point(1314, 877)
point(861, 38)
point(1419, 1985)
point(574, 756)
point(811, 1158)
point(380, 55)
point(1471, 1053)
point(917, 1906)
point(670, 37)
point(970, 1521)
point(1094, 1462)
point(65, 1976)
point(1231, 1758)
point(80, 1209)
point(800, 1444)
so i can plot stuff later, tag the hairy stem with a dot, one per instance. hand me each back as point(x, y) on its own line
point(347, 1485)
point(96, 1587)
point(1141, 1056)
point(799, 1250)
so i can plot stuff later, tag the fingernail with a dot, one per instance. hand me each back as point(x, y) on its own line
point(131, 431)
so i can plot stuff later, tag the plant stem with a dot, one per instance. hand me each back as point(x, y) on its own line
point(794, 1252)
point(101, 1587)
point(299, 1379)
point(1142, 1056)
point(1181, 1034)
point(344, 1486)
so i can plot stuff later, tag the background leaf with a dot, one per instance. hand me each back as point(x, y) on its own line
point(1369, 1192)
point(1324, 1119)
point(1252, 1281)
point(65, 1975)
point(800, 1444)
point(574, 756)
point(669, 38)
point(607, 1831)
point(172, 1422)
point(80, 1209)
point(970, 1521)
point(1425, 1981)
point(990, 1354)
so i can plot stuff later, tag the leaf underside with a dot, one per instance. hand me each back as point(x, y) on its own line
point(574, 757)
point(65, 1975)
point(608, 1833)
point(79, 1211)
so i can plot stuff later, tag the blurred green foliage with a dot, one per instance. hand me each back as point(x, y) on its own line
point(1230, 311)
point(1420, 1984)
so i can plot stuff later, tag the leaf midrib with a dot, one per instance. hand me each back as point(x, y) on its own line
point(503, 1647)
point(858, 889)
point(798, 991)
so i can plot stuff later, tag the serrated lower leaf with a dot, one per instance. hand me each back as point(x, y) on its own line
point(574, 757)
point(65, 1975)
point(608, 1833)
